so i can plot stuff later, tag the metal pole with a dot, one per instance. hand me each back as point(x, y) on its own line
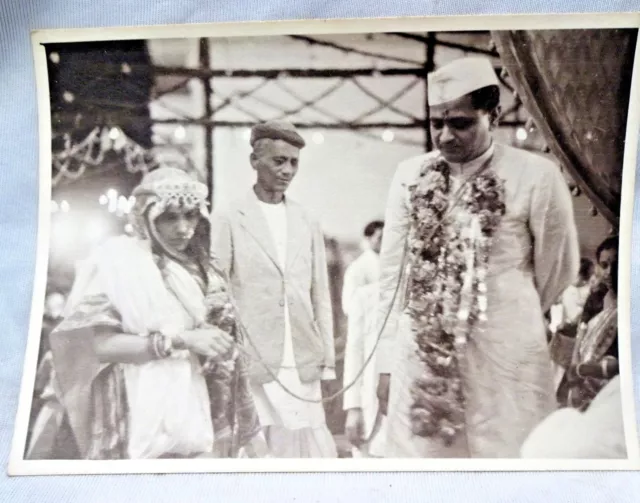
point(429, 66)
point(205, 64)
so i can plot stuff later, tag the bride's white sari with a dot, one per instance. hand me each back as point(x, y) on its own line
point(167, 400)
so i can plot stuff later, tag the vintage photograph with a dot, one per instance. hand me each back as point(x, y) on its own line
point(369, 245)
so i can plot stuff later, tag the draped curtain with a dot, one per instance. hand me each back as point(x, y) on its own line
point(576, 86)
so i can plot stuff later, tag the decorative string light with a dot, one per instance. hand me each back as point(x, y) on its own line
point(180, 133)
point(114, 133)
point(521, 134)
point(74, 159)
point(388, 136)
point(116, 203)
point(317, 138)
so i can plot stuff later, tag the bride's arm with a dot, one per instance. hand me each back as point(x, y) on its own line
point(112, 347)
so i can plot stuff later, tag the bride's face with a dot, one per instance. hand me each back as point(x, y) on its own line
point(176, 227)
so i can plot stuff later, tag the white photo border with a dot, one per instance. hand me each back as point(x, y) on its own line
point(20, 466)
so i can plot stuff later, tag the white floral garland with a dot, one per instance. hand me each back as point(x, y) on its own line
point(447, 292)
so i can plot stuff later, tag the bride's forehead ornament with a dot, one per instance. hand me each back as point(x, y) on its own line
point(172, 187)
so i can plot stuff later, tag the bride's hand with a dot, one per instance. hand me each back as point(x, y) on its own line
point(209, 341)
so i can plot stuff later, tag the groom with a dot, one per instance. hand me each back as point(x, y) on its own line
point(464, 369)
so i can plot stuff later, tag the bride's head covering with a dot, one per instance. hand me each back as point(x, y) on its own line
point(164, 189)
point(169, 188)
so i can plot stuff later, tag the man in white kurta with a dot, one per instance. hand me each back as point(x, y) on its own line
point(273, 252)
point(365, 269)
point(507, 378)
point(359, 299)
point(277, 407)
point(365, 429)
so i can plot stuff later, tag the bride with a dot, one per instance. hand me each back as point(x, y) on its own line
point(146, 361)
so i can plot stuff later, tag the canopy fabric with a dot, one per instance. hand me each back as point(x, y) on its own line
point(576, 86)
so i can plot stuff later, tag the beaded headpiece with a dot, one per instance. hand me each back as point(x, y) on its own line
point(163, 189)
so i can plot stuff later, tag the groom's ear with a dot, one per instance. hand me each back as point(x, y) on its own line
point(494, 116)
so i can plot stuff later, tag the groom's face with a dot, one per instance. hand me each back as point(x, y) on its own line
point(460, 131)
point(276, 164)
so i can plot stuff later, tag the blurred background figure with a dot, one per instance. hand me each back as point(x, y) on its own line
point(53, 308)
point(364, 428)
point(566, 313)
point(592, 425)
point(600, 298)
point(366, 268)
point(44, 391)
point(572, 301)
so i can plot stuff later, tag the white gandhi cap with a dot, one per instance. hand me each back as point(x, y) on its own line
point(460, 77)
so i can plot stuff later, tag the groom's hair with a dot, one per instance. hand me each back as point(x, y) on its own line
point(486, 98)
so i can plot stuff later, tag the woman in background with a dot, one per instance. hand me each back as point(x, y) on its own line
point(565, 315)
point(601, 298)
point(595, 357)
point(592, 426)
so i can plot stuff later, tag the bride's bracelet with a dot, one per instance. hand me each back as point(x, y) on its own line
point(161, 346)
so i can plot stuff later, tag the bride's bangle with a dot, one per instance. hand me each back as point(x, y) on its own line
point(161, 346)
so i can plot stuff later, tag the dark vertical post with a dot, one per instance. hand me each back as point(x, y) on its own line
point(429, 66)
point(205, 64)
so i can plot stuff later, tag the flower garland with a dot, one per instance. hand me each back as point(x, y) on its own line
point(449, 254)
point(220, 371)
point(221, 314)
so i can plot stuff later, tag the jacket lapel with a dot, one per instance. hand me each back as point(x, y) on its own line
point(254, 222)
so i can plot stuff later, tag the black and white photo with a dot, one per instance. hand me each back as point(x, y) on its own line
point(401, 246)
